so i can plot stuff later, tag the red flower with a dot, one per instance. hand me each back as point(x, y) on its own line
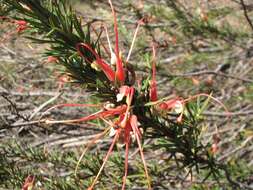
point(214, 148)
point(29, 183)
point(170, 104)
point(21, 25)
point(123, 91)
point(120, 75)
point(126, 123)
point(100, 114)
point(105, 67)
point(52, 59)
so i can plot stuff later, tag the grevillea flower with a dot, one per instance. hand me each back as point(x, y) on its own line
point(165, 105)
point(174, 103)
point(123, 91)
point(215, 146)
point(125, 123)
point(104, 66)
point(120, 74)
point(51, 59)
point(21, 25)
point(29, 183)
point(103, 113)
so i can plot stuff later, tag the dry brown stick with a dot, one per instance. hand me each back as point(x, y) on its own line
point(208, 73)
point(39, 93)
point(243, 144)
point(27, 123)
point(220, 131)
point(230, 114)
point(246, 14)
point(14, 106)
point(44, 105)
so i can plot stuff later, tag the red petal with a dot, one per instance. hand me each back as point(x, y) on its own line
point(123, 91)
point(101, 114)
point(163, 106)
point(119, 65)
point(134, 124)
point(29, 182)
point(127, 142)
point(135, 128)
point(105, 67)
point(120, 74)
point(105, 159)
point(21, 22)
point(168, 104)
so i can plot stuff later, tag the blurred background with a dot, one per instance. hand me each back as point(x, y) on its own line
point(203, 46)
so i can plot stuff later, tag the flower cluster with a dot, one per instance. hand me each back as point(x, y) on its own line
point(124, 122)
point(121, 119)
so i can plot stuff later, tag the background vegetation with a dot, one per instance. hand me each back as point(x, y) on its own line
point(203, 46)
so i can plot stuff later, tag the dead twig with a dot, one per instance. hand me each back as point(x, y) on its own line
point(230, 114)
point(27, 123)
point(246, 14)
point(208, 73)
point(243, 144)
point(14, 106)
point(44, 105)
